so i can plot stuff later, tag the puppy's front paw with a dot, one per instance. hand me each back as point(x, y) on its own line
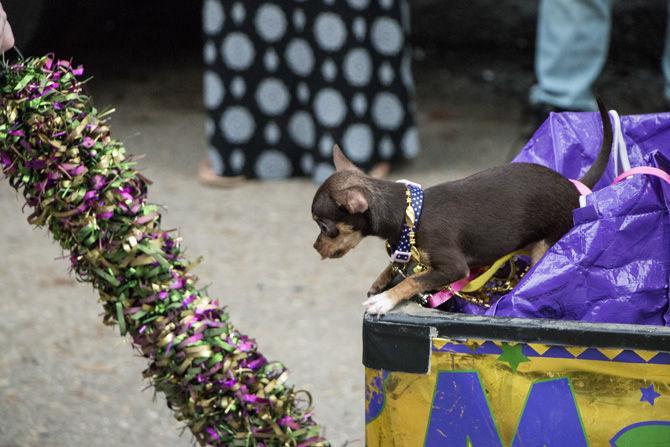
point(379, 304)
point(373, 291)
point(377, 287)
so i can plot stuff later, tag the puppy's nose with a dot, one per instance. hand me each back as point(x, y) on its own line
point(318, 250)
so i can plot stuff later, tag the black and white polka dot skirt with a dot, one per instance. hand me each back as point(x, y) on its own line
point(285, 80)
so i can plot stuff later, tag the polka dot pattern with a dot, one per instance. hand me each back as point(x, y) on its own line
point(330, 31)
point(386, 148)
point(270, 22)
point(358, 67)
point(272, 96)
point(406, 72)
point(386, 4)
point(302, 131)
point(410, 143)
point(238, 51)
point(326, 144)
point(213, 89)
point(215, 160)
point(358, 4)
point(359, 104)
point(300, 57)
point(387, 111)
point(238, 13)
point(237, 160)
point(212, 16)
point(303, 92)
point(238, 87)
point(273, 165)
point(329, 70)
point(359, 28)
point(210, 128)
point(271, 60)
point(307, 163)
point(209, 52)
point(386, 74)
point(272, 133)
point(237, 124)
point(387, 36)
point(358, 143)
point(299, 19)
point(285, 81)
point(329, 107)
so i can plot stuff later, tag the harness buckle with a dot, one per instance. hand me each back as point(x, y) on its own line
point(402, 257)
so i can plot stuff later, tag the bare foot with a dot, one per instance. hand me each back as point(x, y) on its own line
point(380, 170)
point(208, 177)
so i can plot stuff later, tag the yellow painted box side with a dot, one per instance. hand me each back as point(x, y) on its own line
point(490, 393)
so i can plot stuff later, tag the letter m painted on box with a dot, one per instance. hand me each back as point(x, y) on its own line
point(461, 415)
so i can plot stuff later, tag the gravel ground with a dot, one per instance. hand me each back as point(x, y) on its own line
point(67, 380)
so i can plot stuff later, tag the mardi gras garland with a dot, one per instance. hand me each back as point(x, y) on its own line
point(57, 148)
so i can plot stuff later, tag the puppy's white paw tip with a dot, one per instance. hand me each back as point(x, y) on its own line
point(379, 304)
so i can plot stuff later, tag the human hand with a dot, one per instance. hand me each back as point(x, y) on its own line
point(6, 34)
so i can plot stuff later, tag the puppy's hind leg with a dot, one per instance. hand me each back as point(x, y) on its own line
point(537, 250)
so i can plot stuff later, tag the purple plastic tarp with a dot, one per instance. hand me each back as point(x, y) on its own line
point(614, 265)
point(569, 142)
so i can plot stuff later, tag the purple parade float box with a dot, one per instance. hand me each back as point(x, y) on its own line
point(578, 353)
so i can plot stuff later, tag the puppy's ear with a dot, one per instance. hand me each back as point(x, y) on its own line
point(342, 163)
point(352, 199)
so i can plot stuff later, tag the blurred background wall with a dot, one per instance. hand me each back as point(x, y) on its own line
point(166, 29)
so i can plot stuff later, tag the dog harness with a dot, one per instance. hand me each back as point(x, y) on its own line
point(405, 250)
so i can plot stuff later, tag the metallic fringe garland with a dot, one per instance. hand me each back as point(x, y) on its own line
point(80, 184)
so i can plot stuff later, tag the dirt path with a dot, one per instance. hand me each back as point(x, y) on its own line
point(66, 380)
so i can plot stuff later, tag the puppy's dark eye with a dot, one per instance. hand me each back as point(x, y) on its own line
point(322, 227)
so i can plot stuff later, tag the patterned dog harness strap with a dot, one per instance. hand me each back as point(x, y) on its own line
point(403, 252)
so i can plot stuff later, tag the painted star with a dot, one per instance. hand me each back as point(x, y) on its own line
point(513, 355)
point(649, 394)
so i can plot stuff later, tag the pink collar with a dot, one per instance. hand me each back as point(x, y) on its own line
point(582, 188)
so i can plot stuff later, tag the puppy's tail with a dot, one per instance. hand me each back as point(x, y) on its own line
point(598, 168)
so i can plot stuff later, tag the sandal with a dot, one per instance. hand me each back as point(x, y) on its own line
point(380, 170)
point(208, 177)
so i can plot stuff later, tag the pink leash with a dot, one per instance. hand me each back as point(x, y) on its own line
point(444, 295)
point(644, 170)
point(582, 188)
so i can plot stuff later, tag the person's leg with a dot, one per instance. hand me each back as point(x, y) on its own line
point(571, 50)
point(285, 81)
point(362, 87)
point(665, 62)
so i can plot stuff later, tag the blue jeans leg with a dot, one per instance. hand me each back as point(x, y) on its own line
point(665, 62)
point(571, 50)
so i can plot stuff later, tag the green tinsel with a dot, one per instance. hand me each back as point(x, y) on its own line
point(57, 148)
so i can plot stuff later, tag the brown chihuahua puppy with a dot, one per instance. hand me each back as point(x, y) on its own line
point(464, 224)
